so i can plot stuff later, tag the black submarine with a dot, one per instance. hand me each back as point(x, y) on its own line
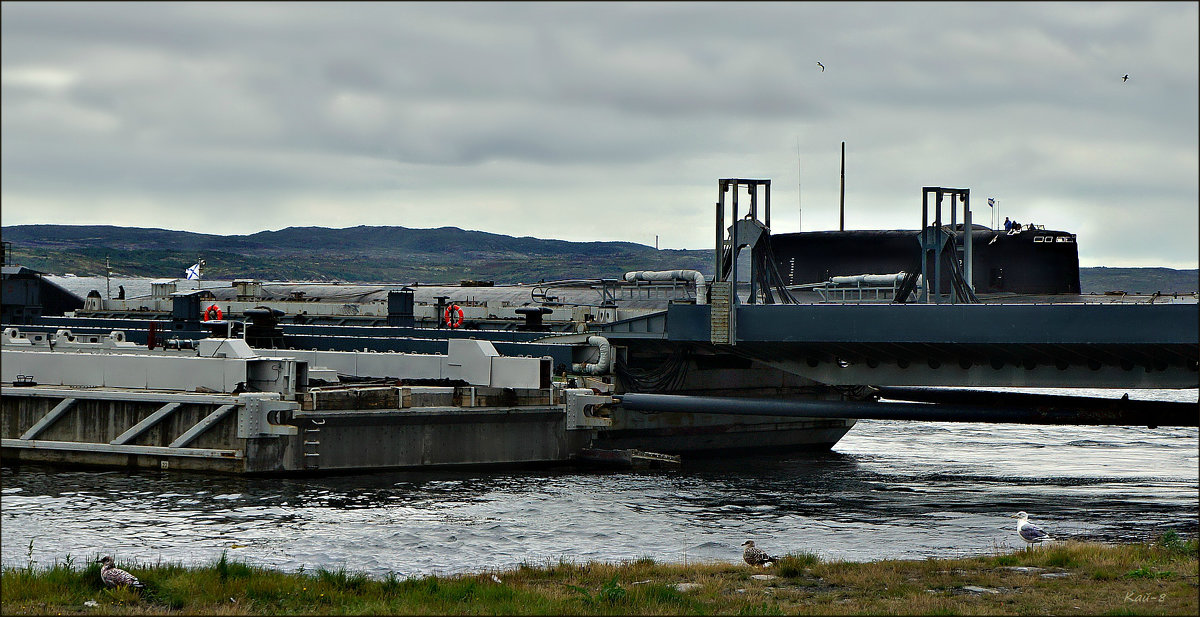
point(1032, 260)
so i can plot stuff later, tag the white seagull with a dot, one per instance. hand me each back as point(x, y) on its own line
point(1029, 532)
point(756, 556)
point(116, 577)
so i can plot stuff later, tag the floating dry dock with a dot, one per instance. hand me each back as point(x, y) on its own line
point(671, 362)
point(104, 401)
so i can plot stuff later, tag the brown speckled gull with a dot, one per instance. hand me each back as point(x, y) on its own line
point(116, 577)
point(756, 556)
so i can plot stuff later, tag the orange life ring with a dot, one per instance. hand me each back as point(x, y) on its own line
point(210, 310)
point(453, 311)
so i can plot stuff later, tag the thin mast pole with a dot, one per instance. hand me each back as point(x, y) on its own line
point(799, 189)
point(842, 202)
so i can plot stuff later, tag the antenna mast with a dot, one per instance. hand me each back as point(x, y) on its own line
point(842, 201)
point(799, 189)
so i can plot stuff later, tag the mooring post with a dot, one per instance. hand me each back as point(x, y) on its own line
point(767, 203)
point(720, 243)
point(923, 240)
point(733, 244)
point(968, 260)
point(937, 250)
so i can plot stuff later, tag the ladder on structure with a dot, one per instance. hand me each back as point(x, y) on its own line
point(312, 442)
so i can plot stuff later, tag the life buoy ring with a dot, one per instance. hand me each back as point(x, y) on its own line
point(453, 316)
point(214, 309)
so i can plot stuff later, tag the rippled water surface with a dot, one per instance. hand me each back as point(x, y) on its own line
point(888, 489)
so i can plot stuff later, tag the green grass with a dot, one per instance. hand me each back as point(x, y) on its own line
point(795, 564)
point(1156, 578)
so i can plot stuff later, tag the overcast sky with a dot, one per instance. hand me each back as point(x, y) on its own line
point(596, 121)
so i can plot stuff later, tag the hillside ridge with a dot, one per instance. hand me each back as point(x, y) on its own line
point(359, 254)
point(368, 253)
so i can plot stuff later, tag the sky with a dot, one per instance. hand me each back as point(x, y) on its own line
point(604, 121)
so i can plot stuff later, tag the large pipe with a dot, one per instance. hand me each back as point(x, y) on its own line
point(672, 275)
point(1155, 414)
point(877, 280)
point(604, 363)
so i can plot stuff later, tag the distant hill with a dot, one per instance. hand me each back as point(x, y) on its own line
point(354, 254)
point(400, 254)
point(1138, 280)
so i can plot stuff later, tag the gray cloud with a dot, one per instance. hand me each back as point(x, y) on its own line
point(600, 121)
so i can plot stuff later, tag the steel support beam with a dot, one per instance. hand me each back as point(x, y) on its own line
point(1159, 414)
point(950, 373)
point(49, 418)
point(120, 449)
point(1026, 400)
point(142, 426)
point(156, 396)
point(201, 426)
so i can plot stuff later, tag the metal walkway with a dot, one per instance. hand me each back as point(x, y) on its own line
point(1029, 345)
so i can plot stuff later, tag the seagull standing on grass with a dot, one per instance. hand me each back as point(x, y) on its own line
point(116, 577)
point(1029, 532)
point(756, 556)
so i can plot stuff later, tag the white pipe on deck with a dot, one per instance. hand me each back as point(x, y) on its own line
point(878, 280)
point(604, 364)
point(672, 275)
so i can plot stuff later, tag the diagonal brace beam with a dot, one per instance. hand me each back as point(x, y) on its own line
point(49, 418)
point(201, 426)
point(142, 426)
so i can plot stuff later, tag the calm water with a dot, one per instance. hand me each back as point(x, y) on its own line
point(889, 489)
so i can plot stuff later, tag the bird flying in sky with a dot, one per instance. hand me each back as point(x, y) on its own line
point(1125, 78)
point(823, 67)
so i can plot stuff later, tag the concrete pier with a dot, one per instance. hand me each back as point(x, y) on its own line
point(124, 428)
point(222, 408)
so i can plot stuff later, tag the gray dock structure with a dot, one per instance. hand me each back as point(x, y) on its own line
point(713, 367)
point(224, 408)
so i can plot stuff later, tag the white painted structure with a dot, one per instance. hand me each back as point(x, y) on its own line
point(220, 364)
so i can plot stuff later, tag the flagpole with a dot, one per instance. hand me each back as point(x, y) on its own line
point(799, 189)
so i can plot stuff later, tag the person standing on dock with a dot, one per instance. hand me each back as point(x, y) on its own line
point(1007, 224)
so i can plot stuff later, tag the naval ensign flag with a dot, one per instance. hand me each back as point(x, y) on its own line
point(193, 273)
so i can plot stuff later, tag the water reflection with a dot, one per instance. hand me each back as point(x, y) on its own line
point(890, 490)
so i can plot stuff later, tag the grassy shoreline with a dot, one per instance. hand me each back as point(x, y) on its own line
point(1159, 578)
